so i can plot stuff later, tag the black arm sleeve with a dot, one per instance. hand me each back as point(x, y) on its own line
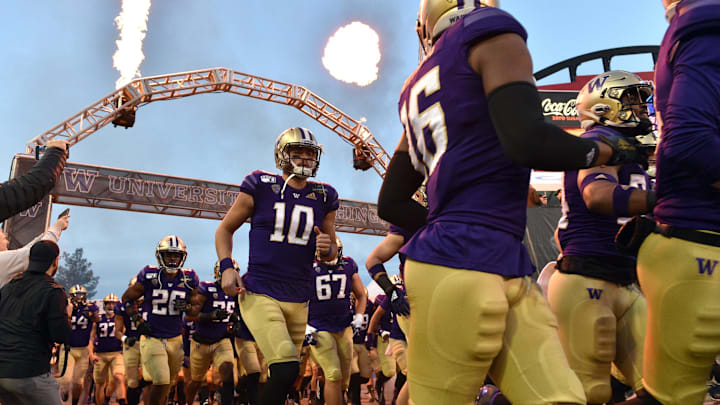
point(58, 323)
point(25, 191)
point(395, 203)
point(530, 141)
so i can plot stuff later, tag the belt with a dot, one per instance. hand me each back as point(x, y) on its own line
point(691, 235)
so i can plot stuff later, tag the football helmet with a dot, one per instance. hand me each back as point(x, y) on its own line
point(435, 16)
point(617, 99)
point(78, 294)
point(337, 258)
point(170, 244)
point(216, 271)
point(110, 299)
point(297, 137)
point(396, 280)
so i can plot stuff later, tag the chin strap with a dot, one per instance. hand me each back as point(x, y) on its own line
point(282, 190)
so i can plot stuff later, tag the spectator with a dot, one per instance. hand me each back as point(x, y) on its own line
point(533, 198)
point(33, 315)
point(27, 190)
point(558, 194)
point(14, 262)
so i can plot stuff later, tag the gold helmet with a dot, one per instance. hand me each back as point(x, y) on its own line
point(170, 244)
point(132, 281)
point(216, 270)
point(435, 16)
point(615, 99)
point(296, 137)
point(78, 294)
point(396, 280)
point(111, 298)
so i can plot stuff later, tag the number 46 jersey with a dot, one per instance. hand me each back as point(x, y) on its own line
point(476, 195)
point(282, 241)
point(161, 291)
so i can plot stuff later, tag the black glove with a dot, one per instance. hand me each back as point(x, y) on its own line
point(625, 150)
point(398, 303)
point(217, 314)
point(370, 340)
point(144, 328)
point(181, 304)
point(130, 341)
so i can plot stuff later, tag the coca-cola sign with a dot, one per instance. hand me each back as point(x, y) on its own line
point(559, 108)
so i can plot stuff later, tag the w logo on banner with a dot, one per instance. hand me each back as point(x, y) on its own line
point(594, 293)
point(706, 266)
point(79, 179)
point(32, 211)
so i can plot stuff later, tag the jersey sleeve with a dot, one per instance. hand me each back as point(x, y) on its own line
point(203, 289)
point(487, 22)
point(351, 265)
point(250, 183)
point(119, 309)
point(93, 308)
point(145, 277)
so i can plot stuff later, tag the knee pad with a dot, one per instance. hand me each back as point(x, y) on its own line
point(286, 371)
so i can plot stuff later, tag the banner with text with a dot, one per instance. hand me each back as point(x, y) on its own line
point(559, 108)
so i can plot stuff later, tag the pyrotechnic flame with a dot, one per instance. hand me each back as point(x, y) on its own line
point(352, 54)
point(132, 24)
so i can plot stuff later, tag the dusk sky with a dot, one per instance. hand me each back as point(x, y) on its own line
point(57, 60)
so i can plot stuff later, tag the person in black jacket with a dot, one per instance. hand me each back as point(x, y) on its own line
point(27, 190)
point(34, 314)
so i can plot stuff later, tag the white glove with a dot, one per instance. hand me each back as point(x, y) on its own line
point(359, 321)
point(384, 334)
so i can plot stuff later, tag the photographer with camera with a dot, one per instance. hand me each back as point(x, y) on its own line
point(14, 262)
point(25, 191)
point(34, 314)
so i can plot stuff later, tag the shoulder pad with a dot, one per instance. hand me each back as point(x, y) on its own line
point(489, 21)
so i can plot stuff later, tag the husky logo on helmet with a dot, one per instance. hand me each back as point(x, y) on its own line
point(170, 244)
point(617, 99)
point(78, 294)
point(435, 16)
point(337, 258)
point(297, 137)
point(216, 270)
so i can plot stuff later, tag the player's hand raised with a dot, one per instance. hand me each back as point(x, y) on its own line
point(322, 243)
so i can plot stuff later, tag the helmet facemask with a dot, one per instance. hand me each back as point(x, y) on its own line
point(288, 160)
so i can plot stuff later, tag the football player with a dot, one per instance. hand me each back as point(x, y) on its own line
point(292, 220)
point(600, 311)
point(84, 315)
point(166, 289)
point(127, 331)
point(473, 126)
point(332, 323)
point(361, 369)
point(378, 336)
point(108, 349)
point(676, 263)
point(211, 309)
point(250, 364)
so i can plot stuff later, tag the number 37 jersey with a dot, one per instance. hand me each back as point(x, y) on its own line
point(161, 291)
point(476, 194)
point(282, 241)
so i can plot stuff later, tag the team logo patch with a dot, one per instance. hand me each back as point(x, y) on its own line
point(311, 196)
point(211, 289)
point(150, 275)
point(296, 195)
point(170, 284)
point(276, 188)
point(317, 269)
point(215, 295)
point(267, 178)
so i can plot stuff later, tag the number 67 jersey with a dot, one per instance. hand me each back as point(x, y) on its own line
point(161, 291)
point(476, 194)
point(282, 241)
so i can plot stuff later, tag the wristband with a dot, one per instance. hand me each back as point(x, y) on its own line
point(226, 263)
point(376, 269)
point(621, 200)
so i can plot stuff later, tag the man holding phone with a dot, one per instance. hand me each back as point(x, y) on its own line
point(14, 262)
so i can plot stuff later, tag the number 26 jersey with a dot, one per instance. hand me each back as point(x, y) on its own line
point(161, 291)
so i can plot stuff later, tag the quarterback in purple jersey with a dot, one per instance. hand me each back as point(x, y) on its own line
point(676, 263)
point(127, 331)
point(211, 344)
point(84, 315)
point(600, 311)
point(108, 350)
point(166, 290)
point(293, 219)
point(473, 126)
point(330, 318)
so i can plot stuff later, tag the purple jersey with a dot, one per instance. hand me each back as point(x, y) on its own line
point(395, 331)
point(581, 232)
point(282, 241)
point(386, 320)
point(687, 98)
point(81, 322)
point(215, 298)
point(476, 194)
point(394, 229)
point(130, 327)
point(359, 337)
point(105, 340)
point(161, 291)
point(330, 308)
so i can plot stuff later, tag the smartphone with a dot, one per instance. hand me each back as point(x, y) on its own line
point(64, 213)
